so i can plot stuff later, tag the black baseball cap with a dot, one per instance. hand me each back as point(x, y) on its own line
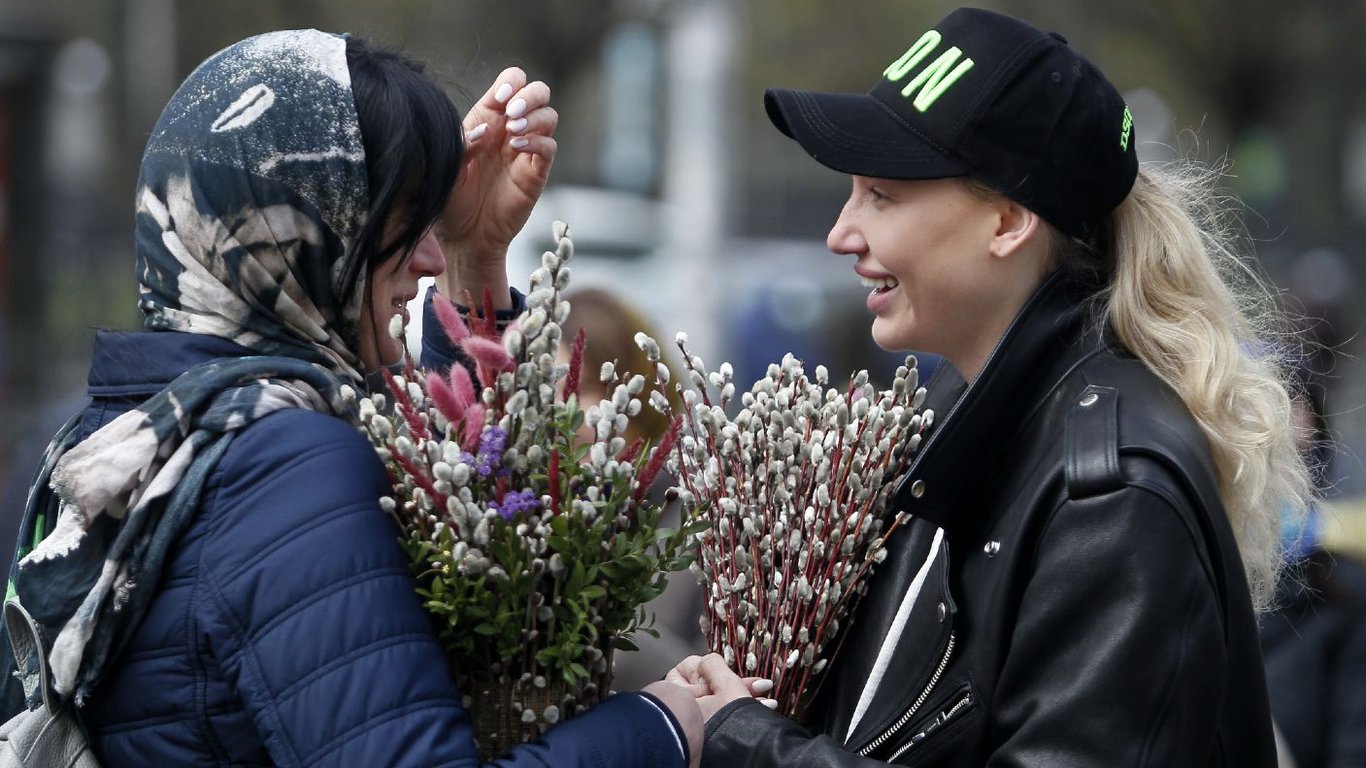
point(984, 95)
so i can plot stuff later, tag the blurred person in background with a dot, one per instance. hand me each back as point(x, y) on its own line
point(1314, 642)
point(204, 546)
point(610, 325)
point(1094, 516)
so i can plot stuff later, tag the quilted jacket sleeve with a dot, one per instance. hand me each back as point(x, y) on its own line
point(309, 609)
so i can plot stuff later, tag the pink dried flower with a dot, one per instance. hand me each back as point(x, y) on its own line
point(451, 321)
point(489, 356)
point(444, 398)
point(571, 381)
point(462, 386)
point(474, 426)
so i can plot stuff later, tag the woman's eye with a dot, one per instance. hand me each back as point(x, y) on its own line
point(877, 193)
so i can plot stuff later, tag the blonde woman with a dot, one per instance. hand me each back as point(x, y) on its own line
point(1095, 514)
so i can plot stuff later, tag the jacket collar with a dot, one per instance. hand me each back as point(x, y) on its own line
point(1047, 339)
point(140, 363)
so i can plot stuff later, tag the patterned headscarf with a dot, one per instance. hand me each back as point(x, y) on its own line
point(252, 189)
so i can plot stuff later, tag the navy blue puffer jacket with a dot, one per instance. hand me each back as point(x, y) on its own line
point(286, 630)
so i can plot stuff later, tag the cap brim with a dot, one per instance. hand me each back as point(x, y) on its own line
point(853, 133)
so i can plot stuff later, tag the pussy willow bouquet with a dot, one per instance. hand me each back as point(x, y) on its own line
point(791, 495)
point(534, 550)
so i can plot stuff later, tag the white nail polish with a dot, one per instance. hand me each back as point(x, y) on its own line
point(519, 142)
point(503, 93)
point(770, 703)
point(475, 132)
point(517, 126)
point(517, 108)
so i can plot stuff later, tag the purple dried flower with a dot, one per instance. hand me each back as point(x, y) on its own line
point(491, 445)
point(516, 502)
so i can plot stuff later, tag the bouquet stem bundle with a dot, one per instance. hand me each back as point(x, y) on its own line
point(793, 493)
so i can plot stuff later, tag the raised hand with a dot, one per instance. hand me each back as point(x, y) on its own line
point(510, 147)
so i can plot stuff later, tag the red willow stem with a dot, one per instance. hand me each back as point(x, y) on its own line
point(572, 379)
point(789, 607)
point(406, 407)
point(490, 321)
point(836, 606)
point(438, 499)
point(788, 595)
point(806, 498)
point(807, 613)
point(628, 455)
point(657, 458)
point(712, 450)
point(687, 479)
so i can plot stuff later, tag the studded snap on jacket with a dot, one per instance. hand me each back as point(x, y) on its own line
point(1081, 601)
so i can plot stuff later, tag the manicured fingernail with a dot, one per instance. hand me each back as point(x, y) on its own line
point(519, 142)
point(503, 93)
point(517, 108)
point(517, 126)
point(761, 686)
point(770, 703)
point(475, 132)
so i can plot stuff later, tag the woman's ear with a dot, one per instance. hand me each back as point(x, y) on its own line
point(1017, 228)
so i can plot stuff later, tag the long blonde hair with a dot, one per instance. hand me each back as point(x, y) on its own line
point(1202, 318)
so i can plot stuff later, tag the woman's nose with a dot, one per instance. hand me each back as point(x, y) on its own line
point(844, 237)
point(428, 259)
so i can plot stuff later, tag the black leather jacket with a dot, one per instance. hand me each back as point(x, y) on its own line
point(1086, 605)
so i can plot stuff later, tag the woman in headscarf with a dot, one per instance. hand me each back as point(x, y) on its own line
point(204, 546)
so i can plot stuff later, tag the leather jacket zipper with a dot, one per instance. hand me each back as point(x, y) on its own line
point(915, 707)
point(939, 721)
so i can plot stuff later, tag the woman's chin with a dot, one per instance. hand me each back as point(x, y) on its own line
point(890, 338)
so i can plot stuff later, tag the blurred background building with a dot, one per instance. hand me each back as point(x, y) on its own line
point(680, 193)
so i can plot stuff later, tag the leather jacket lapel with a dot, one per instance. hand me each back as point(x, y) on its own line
point(929, 625)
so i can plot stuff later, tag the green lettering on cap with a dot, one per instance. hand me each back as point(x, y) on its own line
point(1126, 129)
point(933, 80)
point(912, 57)
point(936, 78)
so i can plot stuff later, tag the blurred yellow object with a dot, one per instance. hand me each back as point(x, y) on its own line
point(1344, 526)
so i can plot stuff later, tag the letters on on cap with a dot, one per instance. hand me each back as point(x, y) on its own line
point(933, 80)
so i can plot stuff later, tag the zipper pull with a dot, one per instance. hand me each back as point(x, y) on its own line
point(943, 717)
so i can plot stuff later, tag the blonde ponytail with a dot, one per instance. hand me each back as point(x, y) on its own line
point(1200, 317)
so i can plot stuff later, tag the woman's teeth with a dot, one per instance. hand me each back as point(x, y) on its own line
point(879, 283)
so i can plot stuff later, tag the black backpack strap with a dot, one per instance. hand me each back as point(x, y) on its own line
point(1091, 443)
